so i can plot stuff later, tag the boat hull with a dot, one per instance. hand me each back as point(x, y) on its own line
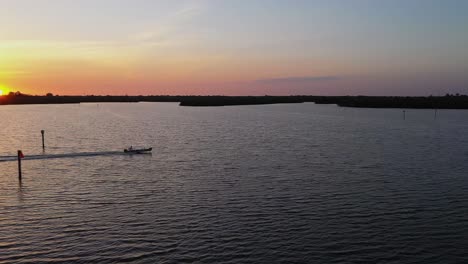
point(138, 151)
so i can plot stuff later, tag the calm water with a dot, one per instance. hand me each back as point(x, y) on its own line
point(299, 183)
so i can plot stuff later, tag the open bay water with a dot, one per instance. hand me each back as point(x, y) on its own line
point(297, 183)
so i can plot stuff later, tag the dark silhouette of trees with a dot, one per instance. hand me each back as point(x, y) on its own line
point(448, 101)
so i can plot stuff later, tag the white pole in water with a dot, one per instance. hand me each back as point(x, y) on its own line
point(43, 145)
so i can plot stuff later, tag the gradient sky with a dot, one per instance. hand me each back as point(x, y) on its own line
point(236, 47)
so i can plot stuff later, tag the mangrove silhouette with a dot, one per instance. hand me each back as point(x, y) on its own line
point(238, 100)
point(431, 102)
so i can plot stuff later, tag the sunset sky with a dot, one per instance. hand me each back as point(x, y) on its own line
point(236, 47)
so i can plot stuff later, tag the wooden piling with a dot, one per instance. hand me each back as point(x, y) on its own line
point(43, 145)
point(404, 114)
point(19, 165)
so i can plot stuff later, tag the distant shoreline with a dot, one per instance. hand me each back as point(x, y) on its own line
point(429, 102)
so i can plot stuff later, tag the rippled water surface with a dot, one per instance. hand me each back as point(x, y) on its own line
point(299, 183)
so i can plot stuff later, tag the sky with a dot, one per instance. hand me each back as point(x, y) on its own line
point(234, 47)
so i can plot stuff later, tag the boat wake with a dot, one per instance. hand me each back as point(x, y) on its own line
point(60, 156)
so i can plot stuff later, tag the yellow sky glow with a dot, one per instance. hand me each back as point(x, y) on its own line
point(39, 67)
point(4, 90)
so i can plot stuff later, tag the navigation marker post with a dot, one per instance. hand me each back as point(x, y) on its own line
point(20, 156)
point(43, 145)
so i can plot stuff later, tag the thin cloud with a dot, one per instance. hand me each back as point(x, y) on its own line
point(58, 45)
point(299, 80)
point(162, 31)
point(13, 73)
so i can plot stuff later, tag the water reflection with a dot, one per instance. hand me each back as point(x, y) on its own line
point(20, 192)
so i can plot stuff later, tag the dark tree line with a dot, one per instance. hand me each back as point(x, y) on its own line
point(439, 102)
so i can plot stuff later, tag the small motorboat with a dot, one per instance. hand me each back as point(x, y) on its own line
point(132, 150)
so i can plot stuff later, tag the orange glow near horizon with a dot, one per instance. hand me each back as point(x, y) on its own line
point(85, 69)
